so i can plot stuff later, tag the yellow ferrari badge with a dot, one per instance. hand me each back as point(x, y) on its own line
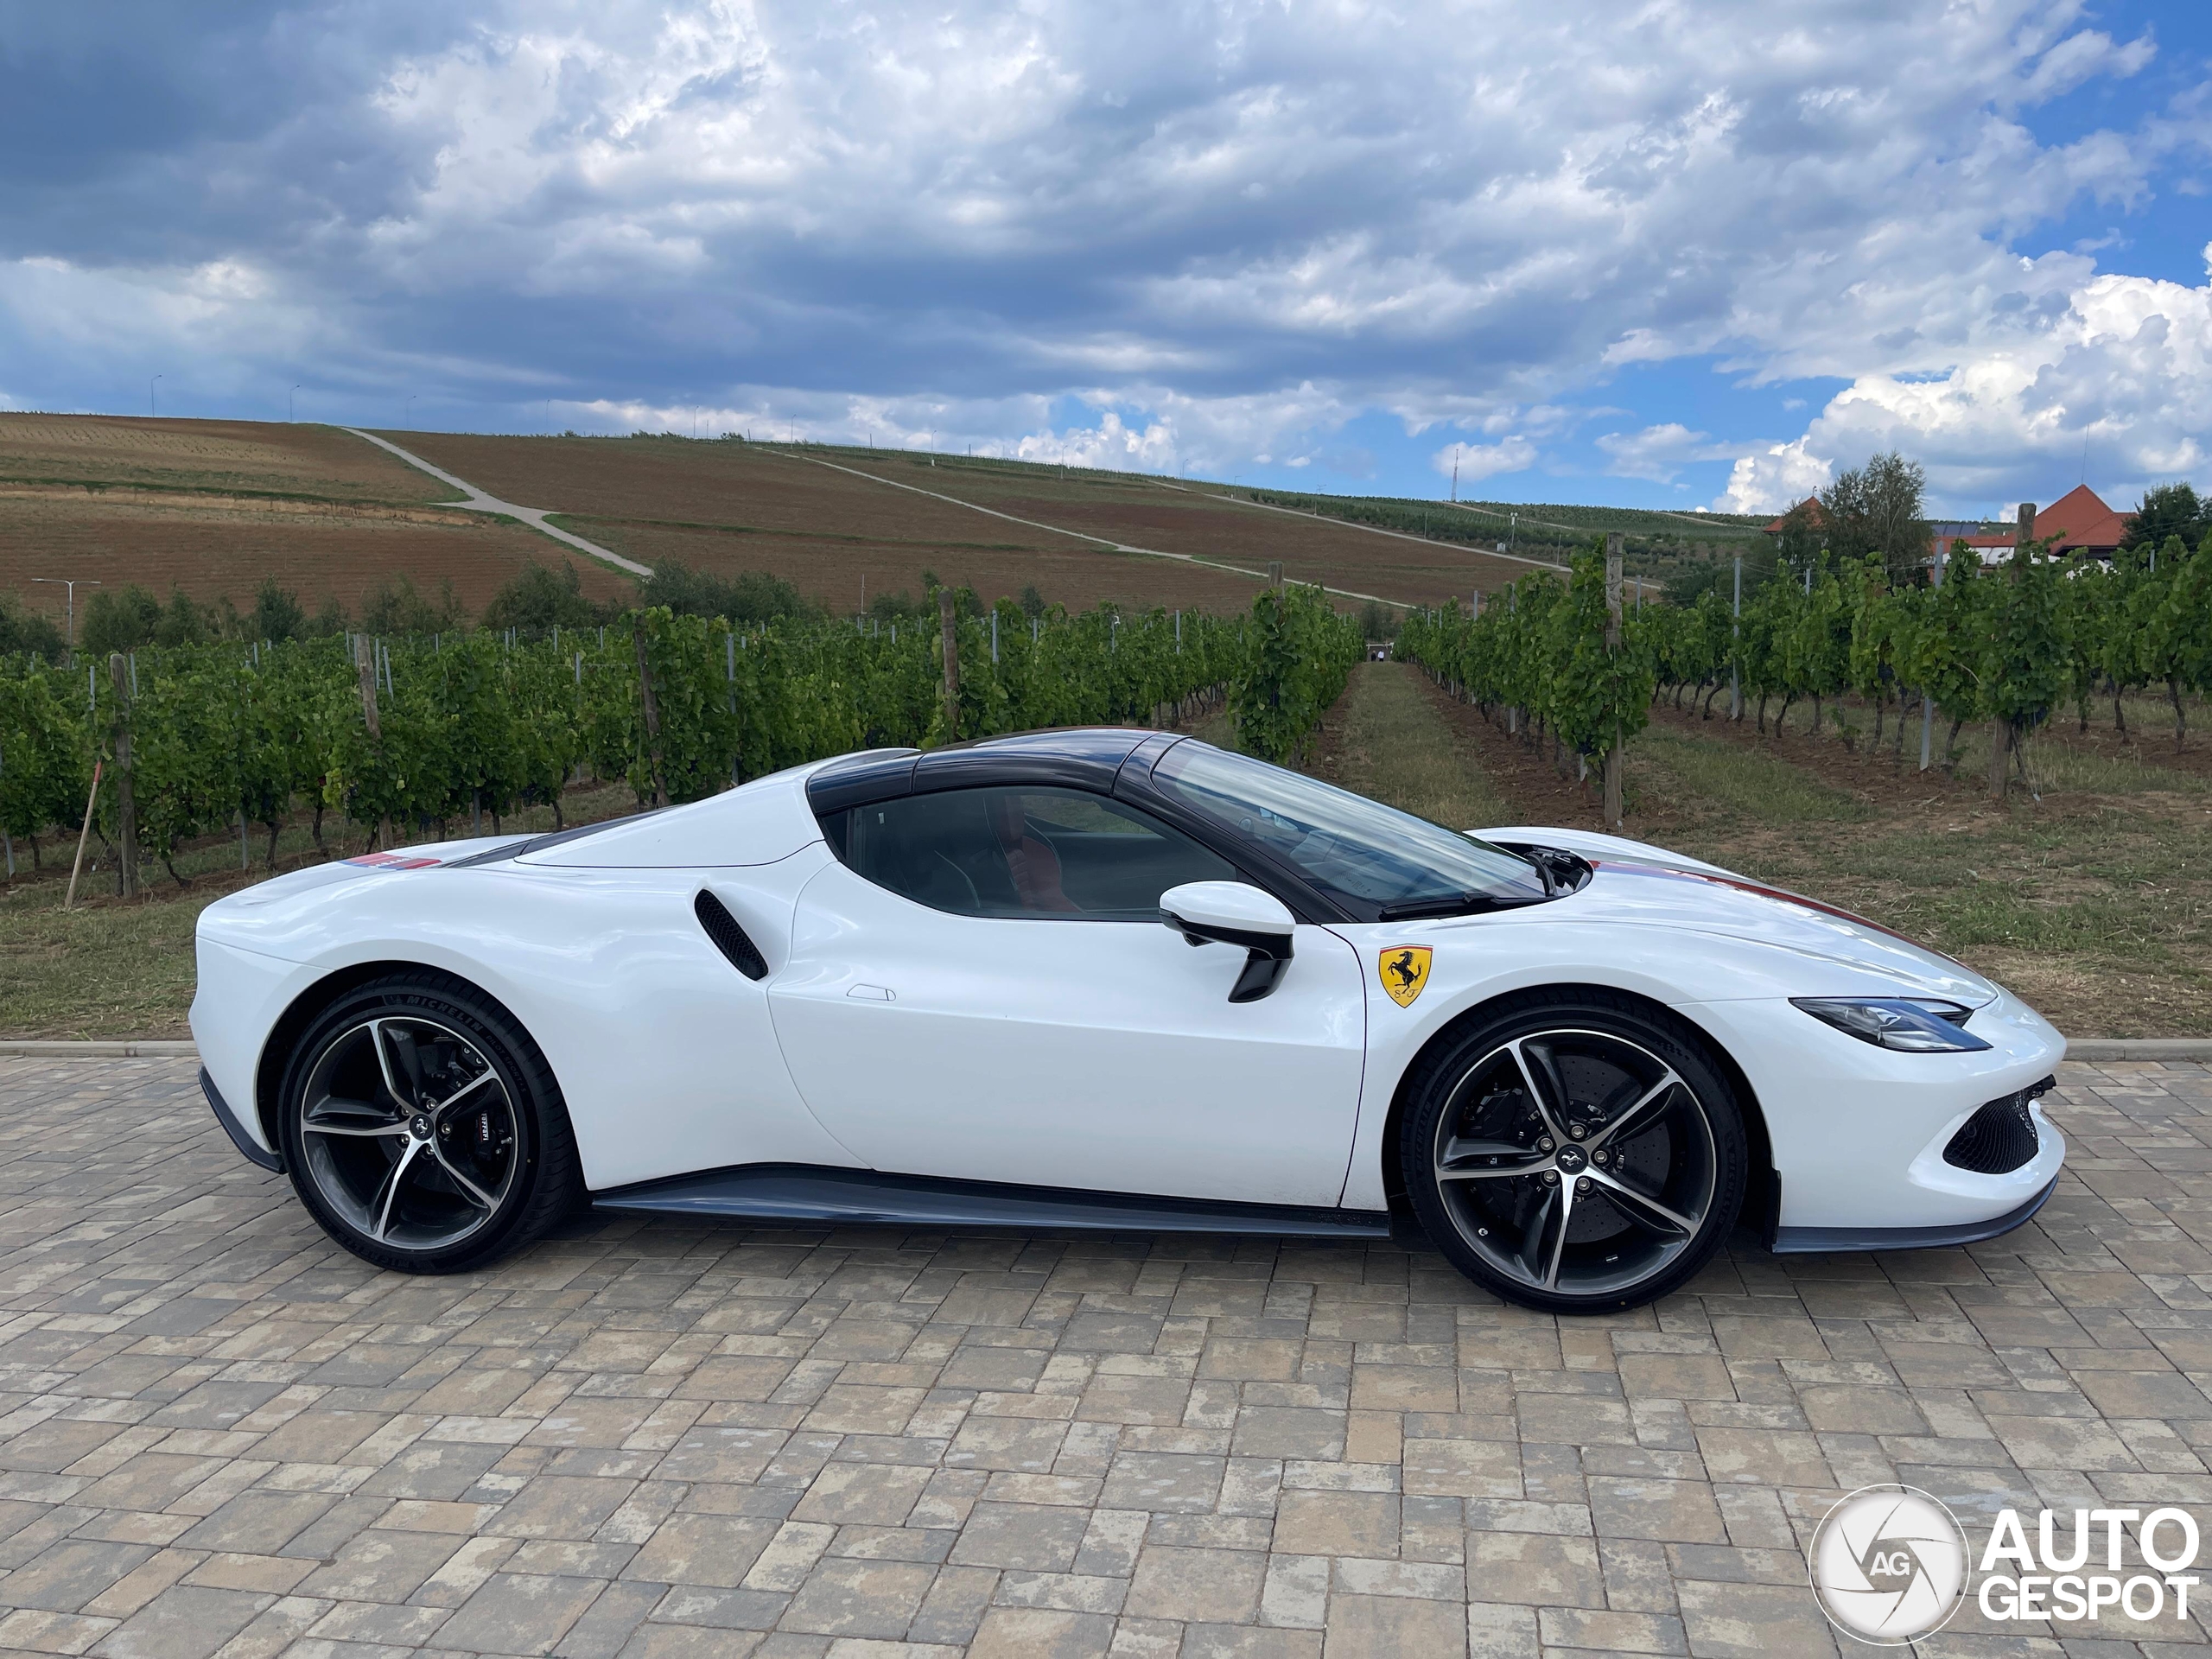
point(1405, 970)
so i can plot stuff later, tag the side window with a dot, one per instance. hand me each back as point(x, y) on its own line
point(1040, 853)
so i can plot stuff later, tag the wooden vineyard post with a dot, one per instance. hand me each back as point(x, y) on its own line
point(69, 901)
point(650, 710)
point(1513, 709)
point(1613, 648)
point(126, 807)
point(1927, 707)
point(1736, 648)
point(364, 669)
point(949, 632)
point(1274, 575)
point(2001, 736)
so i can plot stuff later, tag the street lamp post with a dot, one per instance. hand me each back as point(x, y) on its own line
point(150, 411)
point(69, 585)
point(291, 402)
point(407, 410)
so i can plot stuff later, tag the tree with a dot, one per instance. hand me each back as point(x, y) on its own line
point(277, 616)
point(750, 597)
point(395, 607)
point(1875, 511)
point(23, 630)
point(1804, 533)
point(2167, 511)
point(184, 623)
point(119, 619)
point(539, 600)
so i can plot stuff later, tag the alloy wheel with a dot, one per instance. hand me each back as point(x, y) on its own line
point(408, 1132)
point(1575, 1163)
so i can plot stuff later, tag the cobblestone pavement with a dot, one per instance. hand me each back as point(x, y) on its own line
point(220, 1434)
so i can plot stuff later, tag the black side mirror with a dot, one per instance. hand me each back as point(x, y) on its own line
point(1234, 914)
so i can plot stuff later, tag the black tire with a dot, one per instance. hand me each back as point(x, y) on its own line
point(1647, 1189)
point(365, 1077)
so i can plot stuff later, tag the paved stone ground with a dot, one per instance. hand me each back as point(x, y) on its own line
point(218, 1434)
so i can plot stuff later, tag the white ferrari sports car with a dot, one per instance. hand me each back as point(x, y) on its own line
point(934, 990)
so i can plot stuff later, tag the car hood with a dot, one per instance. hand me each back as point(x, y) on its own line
point(1635, 883)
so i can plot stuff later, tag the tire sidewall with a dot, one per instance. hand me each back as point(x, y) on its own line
point(1439, 1074)
point(490, 1033)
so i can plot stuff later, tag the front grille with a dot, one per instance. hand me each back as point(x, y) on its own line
point(1998, 1138)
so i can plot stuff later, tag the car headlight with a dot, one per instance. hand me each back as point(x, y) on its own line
point(1911, 1025)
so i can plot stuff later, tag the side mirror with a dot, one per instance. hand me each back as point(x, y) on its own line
point(1231, 913)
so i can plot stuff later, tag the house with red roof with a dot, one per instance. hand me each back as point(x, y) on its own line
point(2078, 522)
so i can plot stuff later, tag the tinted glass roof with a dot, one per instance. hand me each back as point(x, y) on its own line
point(1083, 758)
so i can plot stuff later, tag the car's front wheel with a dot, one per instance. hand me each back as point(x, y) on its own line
point(1574, 1152)
point(423, 1127)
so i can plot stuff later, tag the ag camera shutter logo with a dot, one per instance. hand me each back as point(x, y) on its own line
point(1888, 1565)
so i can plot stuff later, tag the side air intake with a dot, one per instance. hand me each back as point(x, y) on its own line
point(730, 938)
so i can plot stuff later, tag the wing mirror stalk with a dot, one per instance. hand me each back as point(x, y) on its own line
point(1232, 912)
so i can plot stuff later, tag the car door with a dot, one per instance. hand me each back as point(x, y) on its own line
point(981, 987)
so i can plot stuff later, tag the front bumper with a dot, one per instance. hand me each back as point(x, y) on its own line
point(239, 997)
point(1801, 1240)
point(252, 1150)
point(1859, 1133)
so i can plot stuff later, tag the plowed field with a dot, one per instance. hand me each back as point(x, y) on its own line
point(841, 574)
point(211, 547)
point(222, 457)
point(216, 506)
point(748, 485)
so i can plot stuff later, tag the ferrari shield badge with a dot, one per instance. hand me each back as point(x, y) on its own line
point(1405, 970)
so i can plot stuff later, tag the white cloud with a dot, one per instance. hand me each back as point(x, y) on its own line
point(1109, 444)
point(2116, 386)
point(1219, 229)
point(1773, 478)
point(1657, 453)
point(1476, 462)
point(2081, 57)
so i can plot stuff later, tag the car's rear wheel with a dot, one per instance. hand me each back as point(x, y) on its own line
point(1574, 1152)
point(423, 1127)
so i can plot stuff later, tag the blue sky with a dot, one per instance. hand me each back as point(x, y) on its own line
point(1673, 253)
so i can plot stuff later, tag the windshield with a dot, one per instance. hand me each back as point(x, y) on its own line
point(1354, 848)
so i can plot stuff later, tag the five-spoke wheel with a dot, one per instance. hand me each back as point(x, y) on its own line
point(1575, 1155)
point(418, 1119)
point(410, 1132)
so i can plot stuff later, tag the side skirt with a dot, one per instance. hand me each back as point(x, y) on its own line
point(808, 1193)
point(1799, 1241)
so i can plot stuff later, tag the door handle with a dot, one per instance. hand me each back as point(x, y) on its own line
point(872, 993)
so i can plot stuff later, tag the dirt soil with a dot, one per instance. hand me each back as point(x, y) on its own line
point(211, 547)
point(833, 570)
point(219, 457)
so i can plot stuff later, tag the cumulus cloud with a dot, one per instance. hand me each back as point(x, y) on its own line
point(1471, 462)
point(1774, 478)
point(1173, 237)
point(1657, 453)
point(2116, 387)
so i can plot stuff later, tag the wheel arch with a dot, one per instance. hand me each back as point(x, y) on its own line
point(277, 1050)
point(1763, 1191)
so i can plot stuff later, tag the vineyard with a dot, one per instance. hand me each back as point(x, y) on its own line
point(2010, 646)
point(424, 736)
point(1658, 545)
